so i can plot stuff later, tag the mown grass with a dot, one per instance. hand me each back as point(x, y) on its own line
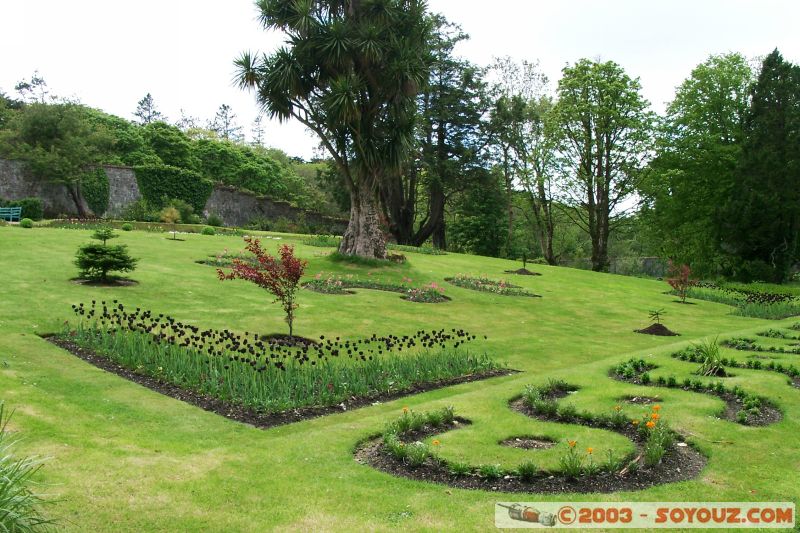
point(128, 459)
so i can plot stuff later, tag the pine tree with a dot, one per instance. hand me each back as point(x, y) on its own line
point(764, 212)
point(146, 110)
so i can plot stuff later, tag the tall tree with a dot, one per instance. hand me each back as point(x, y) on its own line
point(187, 122)
point(447, 144)
point(350, 72)
point(515, 85)
point(224, 124)
point(146, 111)
point(257, 131)
point(536, 158)
point(764, 213)
point(34, 90)
point(699, 143)
point(604, 132)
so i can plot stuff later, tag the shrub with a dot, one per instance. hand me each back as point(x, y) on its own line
point(142, 211)
point(26, 223)
point(214, 220)
point(680, 279)
point(571, 462)
point(459, 469)
point(127, 226)
point(19, 505)
point(527, 471)
point(208, 230)
point(104, 234)
point(490, 471)
point(95, 261)
point(170, 215)
point(185, 210)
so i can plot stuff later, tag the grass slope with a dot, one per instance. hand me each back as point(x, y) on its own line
point(127, 459)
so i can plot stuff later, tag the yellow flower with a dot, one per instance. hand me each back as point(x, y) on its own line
point(572, 443)
point(651, 424)
point(617, 408)
point(436, 442)
point(590, 451)
point(656, 407)
point(405, 409)
point(635, 422)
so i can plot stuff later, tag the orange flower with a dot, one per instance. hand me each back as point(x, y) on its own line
point(656, 407)
point(436, 442)
point(572, 443)
point(618, 408)
point(651, 424)
point(655, 416)
point(590, 451)
point(635, 422)
point(405, 409)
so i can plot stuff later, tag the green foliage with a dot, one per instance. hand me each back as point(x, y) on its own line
point(142, 211)
point(709, 355)
point(479, 224)
point(691, 178)
point(104, 234)
point(208, 230)
point(528, 471)
point(571, 461)
point(763, 217)
point(159, 184)
point(31, 207)
point(127, 226)
point(214, 220)
point(601, 94)
point(26, 223)
point(171, 145)
point(20, 507)
point(95, 189)
point(96, 261)
point(491, 471)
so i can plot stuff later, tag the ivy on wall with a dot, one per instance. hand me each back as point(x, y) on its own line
point(161, 183)
point(95, 190)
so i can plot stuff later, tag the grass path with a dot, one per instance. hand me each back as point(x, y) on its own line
point(127, 459)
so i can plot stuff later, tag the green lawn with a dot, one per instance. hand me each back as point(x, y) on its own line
point(128, 459)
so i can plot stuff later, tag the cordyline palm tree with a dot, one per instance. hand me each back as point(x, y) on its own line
point(349, 71)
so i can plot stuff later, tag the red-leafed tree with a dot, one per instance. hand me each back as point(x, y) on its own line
point(680, 279)
point(279, 275)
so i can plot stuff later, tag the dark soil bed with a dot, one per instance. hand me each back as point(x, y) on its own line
point(111, 282)
point(528, 443)
point(286, 340)
point(681, 463)
point(657, 329)
point(641, 400)
point(522, 272)
point(245, 414)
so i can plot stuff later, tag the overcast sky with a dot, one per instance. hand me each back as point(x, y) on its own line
point(109, 53)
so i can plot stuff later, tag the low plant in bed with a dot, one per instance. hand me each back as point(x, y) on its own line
point(273, 375)
point(338, 284)
point(484, 284)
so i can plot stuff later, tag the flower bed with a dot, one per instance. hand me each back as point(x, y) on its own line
point(274, 375)
point(404, 449)
point(484, 284)
point(740, 406)
point(337, 284)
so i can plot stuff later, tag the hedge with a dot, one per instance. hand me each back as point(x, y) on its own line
point(161, 183)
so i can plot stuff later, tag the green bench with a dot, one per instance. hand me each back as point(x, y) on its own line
point(11, 214)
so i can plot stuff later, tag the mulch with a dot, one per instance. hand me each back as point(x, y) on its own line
point(657, 329)
point(111, 282)
point(248, 415)
point(522, 272)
